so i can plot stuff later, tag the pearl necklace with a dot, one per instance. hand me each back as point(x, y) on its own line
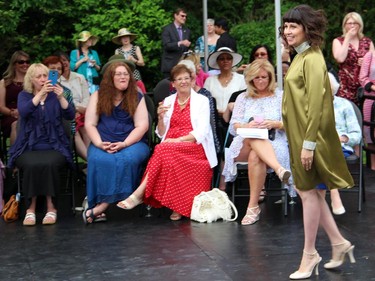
point(184, 102)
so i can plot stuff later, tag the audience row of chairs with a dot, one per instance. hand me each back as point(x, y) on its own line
point(273, 186)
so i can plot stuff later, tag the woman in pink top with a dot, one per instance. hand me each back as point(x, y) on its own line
point(367, 80)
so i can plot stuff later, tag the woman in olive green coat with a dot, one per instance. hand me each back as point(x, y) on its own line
point(315, 150)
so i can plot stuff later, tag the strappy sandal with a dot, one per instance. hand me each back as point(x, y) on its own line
point(49, 218)
point(90, 216)
point(283, 174)
point(29, 219)
point(129, 204)
point(251, 217)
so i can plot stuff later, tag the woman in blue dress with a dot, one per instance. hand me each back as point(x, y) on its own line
point(116, 122)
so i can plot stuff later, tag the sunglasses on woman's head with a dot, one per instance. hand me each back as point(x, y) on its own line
point(23, 61)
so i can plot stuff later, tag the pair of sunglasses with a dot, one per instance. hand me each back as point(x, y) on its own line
point(23, 61)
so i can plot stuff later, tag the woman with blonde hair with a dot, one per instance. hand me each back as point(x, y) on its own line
point(258, 107)
point(42, 147)
point(200, 75)
point(10, 86)
point(348, 51)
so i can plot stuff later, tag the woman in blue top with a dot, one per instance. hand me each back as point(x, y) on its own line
point(116, 122)
point(42, 146)
point(84, 60)
point(212, 38)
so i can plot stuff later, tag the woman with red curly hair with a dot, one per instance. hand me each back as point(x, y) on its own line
point(116, 122)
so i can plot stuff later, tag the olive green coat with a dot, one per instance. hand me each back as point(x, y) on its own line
point(308, 114)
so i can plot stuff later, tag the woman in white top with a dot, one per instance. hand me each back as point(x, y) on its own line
point(223, 85)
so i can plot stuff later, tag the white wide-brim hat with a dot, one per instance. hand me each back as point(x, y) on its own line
point(121, 33)
point(212, 59)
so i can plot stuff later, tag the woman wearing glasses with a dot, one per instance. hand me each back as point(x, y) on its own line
point(116, 122)
point(181, 165)
point(348, 51)
point(10, 86)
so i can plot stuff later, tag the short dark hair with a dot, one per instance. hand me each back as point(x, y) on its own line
point(179, 10)
point(314, 23)
point(223, 23)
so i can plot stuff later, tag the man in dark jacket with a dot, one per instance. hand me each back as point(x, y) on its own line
point(225, 40)
point(175, 41)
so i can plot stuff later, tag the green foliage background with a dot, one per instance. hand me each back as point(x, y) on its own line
point(41, 27)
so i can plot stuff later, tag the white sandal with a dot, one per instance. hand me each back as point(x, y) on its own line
point(49, 218)
point(29, 219)
point(124, 204)
point(251, 217)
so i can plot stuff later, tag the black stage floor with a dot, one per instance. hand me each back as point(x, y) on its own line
point(132, 247)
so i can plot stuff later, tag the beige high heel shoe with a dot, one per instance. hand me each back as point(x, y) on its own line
point(338, 257)
point(283, 174)
point(313, 265)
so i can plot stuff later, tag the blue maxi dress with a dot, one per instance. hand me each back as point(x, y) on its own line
point(113, 177)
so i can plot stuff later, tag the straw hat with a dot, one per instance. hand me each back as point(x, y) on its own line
point(212, 59)
point(86, 35)
point(123, 32)
point(118, 58)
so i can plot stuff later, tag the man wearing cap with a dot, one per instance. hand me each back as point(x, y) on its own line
point(175, 41)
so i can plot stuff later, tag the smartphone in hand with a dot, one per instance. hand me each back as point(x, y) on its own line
point(53, 75)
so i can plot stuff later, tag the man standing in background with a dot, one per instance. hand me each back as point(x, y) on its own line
point(175, 41)
point(225, 40)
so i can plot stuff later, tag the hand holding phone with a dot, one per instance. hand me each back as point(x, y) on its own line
point(52, 76)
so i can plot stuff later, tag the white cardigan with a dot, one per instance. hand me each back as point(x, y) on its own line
point(200, 120)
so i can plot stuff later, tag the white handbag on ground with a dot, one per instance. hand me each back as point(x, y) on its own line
point(213, 205)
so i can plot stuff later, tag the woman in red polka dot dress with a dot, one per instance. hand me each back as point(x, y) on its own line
point(181, 166)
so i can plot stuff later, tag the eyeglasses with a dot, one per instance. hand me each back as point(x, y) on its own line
point(261, 78)
point(183, 16)
point(261, 54)
point(119, 74)
point(225, 58)
point(23, 61)
point(352, 23)
point(180, 80)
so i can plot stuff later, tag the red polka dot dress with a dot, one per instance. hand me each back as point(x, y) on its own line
point(177, 171)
